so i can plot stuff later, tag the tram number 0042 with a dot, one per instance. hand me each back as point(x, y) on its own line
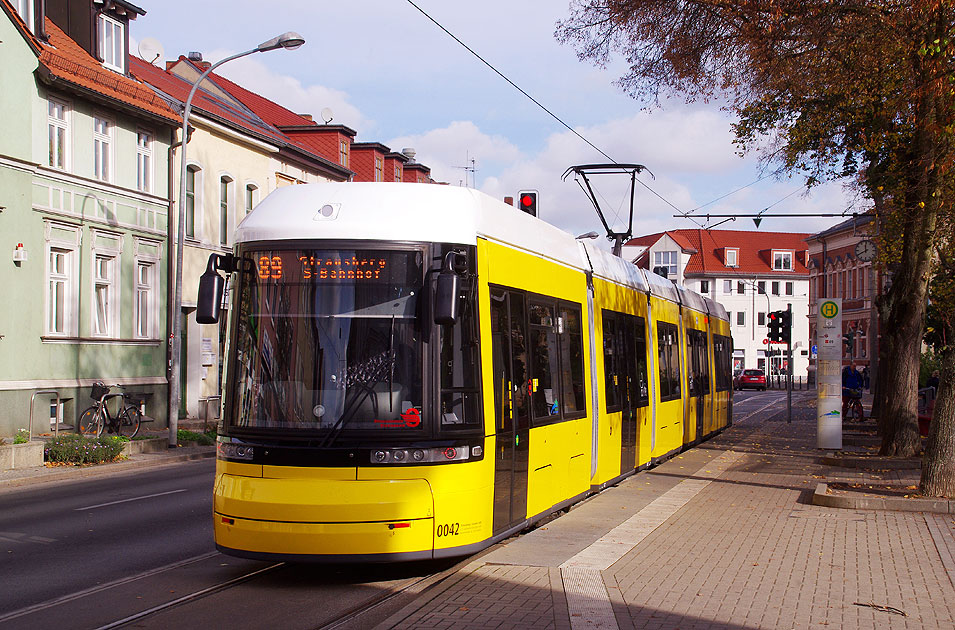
point(450, 529)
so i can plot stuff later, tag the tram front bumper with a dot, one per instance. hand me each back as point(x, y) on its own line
point(302, 517)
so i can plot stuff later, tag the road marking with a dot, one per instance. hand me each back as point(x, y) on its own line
point(148, 496)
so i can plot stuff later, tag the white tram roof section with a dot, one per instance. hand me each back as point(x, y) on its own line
point(613, 268)
point(691, 299)
point(661, 287)
point(402, 212)
point(716, 309)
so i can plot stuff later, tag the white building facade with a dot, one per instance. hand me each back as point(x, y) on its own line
point(751, 274)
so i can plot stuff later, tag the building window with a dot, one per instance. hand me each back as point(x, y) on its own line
point(761, 319)
point(102, 148)
point(61, 287)
point(145, 298)
point(104, 295)
point(397, 172)
point(144, 161)
point(225, 189)
point(740, 288)
point(704, 287)
point(343, 152)
point(379, 174)
point(251, 197)
point(740, 318)
point(775, 288)
point(732, 257)
point(727, 286)
point(112, 43)
point(58, 125)
point(789, 288)
point(761, 287)
point(783, 261)
point(191, 181)
point(666, 259)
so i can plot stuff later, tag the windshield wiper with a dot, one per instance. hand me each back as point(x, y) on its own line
point(380, 364)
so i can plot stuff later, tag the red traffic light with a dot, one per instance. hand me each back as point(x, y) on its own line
point(527, 201)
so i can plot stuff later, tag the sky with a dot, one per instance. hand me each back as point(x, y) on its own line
point(387, 71)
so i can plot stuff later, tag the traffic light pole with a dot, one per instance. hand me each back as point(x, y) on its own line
point(789, 370)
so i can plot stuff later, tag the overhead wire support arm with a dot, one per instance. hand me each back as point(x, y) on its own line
point(581, 172)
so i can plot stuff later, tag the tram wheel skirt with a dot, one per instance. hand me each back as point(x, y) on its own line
point(277, 540)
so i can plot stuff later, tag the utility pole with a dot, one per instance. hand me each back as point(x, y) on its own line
point(789, 362)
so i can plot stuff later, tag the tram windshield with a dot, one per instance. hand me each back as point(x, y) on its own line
point(327, 340)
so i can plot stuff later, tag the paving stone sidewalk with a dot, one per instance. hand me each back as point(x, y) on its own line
point(722, 536)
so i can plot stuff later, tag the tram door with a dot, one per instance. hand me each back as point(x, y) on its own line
point(631, 395)
point(700, 376)
point(511, 407)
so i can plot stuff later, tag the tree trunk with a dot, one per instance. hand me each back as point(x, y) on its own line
point(938, 465)
point(898, 384)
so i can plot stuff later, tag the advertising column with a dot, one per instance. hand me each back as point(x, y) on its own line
point(829, 373)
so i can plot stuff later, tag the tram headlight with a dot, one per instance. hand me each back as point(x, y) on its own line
point(234, 450)
point(443, 454)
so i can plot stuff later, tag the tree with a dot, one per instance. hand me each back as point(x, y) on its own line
point(851, 89)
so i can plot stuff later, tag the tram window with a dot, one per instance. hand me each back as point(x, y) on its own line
point(545, 392)
point(643, 385)
point(669, 349)
point(625, 360)
point(722, 350)
point(571, 361)
point(611, 371)
point(699, 372)
point(459, 367)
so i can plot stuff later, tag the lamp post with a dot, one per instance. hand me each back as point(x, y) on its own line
point(290, 41)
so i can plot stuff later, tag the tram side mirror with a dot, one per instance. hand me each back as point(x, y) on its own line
point(211, 285)
point(446, 289)
point(446, 298)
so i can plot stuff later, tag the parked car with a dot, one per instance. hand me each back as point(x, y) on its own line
point(755, 379)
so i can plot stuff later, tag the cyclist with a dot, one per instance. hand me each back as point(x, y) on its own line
point(851, 389)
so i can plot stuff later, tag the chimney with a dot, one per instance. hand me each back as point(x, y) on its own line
point(307, 117)
point(409, 153)
point(509, 201)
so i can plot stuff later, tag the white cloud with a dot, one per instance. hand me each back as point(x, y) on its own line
point(290, 93)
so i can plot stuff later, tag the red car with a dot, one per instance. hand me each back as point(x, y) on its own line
point(755, 379)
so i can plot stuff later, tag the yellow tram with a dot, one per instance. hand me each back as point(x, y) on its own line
point(417, 371)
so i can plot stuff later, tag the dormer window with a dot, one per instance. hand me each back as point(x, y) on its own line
point(732, 257)
point(782, 261)
point(111, 36)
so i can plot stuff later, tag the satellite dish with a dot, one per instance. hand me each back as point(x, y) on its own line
point(150, 50)
point(327, 115)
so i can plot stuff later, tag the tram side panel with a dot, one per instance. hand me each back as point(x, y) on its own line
point(623, 388)
point(536, 383)
point(668, 399)
point(722, 379)
point(698, 392)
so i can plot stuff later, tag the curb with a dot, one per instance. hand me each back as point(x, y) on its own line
point(822, 497)
point(868, 462)
point(72, 473)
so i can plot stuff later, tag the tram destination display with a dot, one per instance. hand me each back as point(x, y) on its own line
point(307, 266)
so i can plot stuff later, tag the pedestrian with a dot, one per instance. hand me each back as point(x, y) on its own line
point(851, 386)
point(865, 377)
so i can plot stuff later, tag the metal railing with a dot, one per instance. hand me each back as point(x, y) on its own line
point(56, 424)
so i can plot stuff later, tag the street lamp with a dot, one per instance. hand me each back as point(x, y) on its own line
point(291, 41)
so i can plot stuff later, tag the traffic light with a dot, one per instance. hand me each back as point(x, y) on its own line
point(776, 326)
point(527, 201)
point(787, 326)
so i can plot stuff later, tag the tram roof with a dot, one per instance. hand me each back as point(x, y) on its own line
point(402, 212)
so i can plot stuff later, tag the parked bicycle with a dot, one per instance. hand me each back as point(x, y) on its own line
point(98, 418)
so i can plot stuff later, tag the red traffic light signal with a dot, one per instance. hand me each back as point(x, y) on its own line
point(527, 201)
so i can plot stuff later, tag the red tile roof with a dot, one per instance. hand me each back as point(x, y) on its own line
point(64, 60)
point(706, 248)
point(203, 101)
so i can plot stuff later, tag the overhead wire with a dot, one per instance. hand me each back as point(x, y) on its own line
point(685, 214)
